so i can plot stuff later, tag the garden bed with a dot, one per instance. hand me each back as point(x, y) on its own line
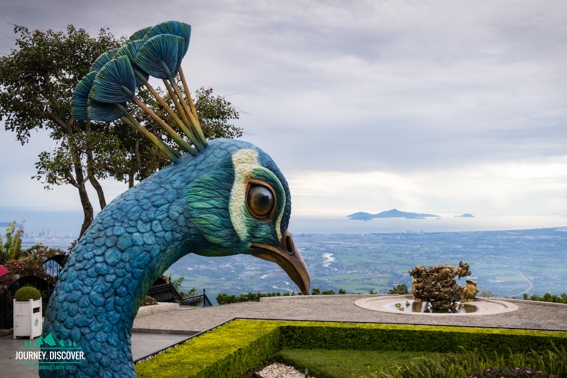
point(240, 346)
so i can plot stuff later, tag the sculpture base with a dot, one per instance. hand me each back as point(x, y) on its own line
point(481, 306)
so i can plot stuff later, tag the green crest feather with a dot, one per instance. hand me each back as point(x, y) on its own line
point(140, 33)
point(115, 82)
point(80, 99)
point(131, 50)
point(102, 60)
point(159, 56)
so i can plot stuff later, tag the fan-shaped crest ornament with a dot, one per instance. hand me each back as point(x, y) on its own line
point(103, 94)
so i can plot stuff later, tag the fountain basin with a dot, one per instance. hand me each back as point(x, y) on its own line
point(482, 306)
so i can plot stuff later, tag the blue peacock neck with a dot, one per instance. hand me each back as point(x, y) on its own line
point(129, 245)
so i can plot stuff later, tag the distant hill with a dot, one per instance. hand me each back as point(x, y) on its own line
point(465, 215)
point(394, 213)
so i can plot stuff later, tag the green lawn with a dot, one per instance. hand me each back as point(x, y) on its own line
point(323, 363)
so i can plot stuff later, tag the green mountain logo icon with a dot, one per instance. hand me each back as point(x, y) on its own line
point(48, 340)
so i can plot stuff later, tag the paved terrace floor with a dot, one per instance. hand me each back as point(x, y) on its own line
point(161, 330)
point(530, 314)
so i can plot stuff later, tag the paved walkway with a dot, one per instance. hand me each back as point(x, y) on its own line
point(530, 315)
point(143, 344)
point(161, 330)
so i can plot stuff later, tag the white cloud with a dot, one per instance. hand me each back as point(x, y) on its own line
point(365, 105)
point(497, 189)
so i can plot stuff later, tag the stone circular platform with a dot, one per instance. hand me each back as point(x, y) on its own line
point(482, 306)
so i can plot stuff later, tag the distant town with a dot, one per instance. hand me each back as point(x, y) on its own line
point(53, 240)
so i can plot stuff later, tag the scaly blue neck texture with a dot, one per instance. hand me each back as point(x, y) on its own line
point(128, 246)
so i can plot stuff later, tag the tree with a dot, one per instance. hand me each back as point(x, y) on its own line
point(36, 86)
point(11, 248)
point(399, 289)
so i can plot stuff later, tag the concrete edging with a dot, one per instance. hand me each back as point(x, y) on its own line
point(160, 307)
point(490, 306)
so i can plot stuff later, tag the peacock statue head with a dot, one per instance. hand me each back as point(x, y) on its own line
point(217, 198)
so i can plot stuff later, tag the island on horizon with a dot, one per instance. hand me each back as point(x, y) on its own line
point(465, 215)
point(394, 213)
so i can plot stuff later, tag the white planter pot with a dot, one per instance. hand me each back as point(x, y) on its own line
point(28, 318)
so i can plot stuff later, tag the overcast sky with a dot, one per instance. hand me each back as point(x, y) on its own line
point(433, 106)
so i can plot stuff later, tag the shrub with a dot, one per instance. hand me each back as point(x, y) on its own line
point(547, 298)
point(30, 265)
point(399, 289)
point(148, 301)
point(223, 299)
point(26, 293)
point(228, 351)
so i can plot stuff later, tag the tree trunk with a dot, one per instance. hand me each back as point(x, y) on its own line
point(80, 182)
point(90, 173)
point(87, 209)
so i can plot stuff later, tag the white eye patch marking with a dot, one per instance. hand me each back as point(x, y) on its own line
point(244, 161)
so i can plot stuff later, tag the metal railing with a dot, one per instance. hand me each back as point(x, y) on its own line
point(196, 300)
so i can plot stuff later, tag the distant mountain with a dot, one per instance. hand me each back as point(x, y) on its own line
point(361, 216)
point(465, 215)
point(394, 213)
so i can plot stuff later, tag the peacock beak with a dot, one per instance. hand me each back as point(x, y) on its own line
point(288, 258)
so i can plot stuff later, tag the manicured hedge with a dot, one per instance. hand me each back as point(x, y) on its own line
point(228, 351)
point(241, 345)
point(416, 338)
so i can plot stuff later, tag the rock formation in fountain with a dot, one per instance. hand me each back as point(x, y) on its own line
point(437, 285)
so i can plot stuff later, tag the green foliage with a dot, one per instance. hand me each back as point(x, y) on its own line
point(227, 351)
point(223, 299)
point(323, 363)
point(26, 293)
point(214, 113)
point(399, 289)
point(241, 345)
point(36, 86)
point(416, 338)
point(31, 264)
point(11, 249)
point(177, 285)
point(316, 291)
point(148, 301)
point(510, 372)
point(484, 364)
point(547, 298)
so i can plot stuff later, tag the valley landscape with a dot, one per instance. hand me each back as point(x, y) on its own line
point(506, 263)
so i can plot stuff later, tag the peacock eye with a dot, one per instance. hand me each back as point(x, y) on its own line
point(260, 200)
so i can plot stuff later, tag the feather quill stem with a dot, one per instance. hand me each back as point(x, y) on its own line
point(168, 151)
point(168, 109)
point(191, 104)
point(194, 121)
point(182, 143)
point(181, 112)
